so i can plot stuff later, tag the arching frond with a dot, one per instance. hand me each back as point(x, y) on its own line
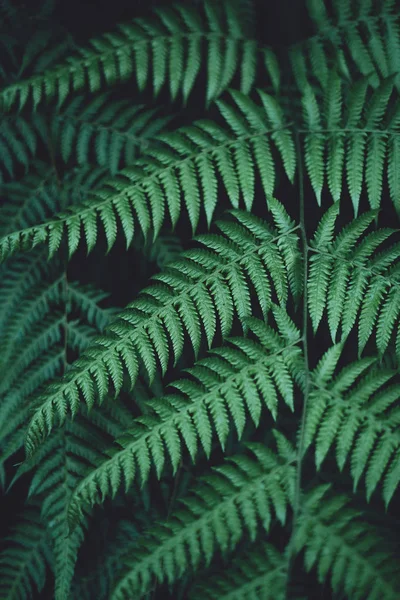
point(356, 38)
point(256, 573)
point(231, 385)
point(187, 162)
point(341, 545)
point(353, 282)
point(205, 288)
point(166, 48)
point(115, 131)
point(236, 498)
point(358, 412)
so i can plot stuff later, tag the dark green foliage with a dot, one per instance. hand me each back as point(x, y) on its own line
point(223, 421)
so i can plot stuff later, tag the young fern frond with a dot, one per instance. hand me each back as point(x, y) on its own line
point(358, 412)
point(352, 282)
point(338, 542)
point(206, 288)
point(232, 384)
point(187, 162)
point(165, 49)
point(235, 498)
point(257, 573)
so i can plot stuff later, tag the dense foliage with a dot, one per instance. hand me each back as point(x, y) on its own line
point(199, 304)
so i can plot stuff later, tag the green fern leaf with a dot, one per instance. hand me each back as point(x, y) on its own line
point(212, 516)
point(223, 386)
point(173, 294)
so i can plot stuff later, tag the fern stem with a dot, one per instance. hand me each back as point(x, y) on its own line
point(301, 434)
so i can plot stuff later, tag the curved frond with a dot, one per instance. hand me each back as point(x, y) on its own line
point(236, 498)
point(187, 162)
point(231, 385)
point(157, 50)
point(201, 291)
point(341, 545)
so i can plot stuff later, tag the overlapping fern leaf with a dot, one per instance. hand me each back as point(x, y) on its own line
point(187, 162)
point(167, 48)
point(206, 288)
point(352, 282)
point(24, 560)
point(115, 129)
point(240, 496)
point(231, 385)
point(339, 542)
point(358, 412)
point(358, 38)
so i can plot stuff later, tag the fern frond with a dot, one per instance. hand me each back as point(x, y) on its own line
point(166, 47)
point(187, 162)
point(19, 139)
point(58, 467)
point(35, 337)
point(113, 130)
point(339, 543)
point(357, 411)
point(232, 384)
point(362, 139)
point(99, 580)
point(236, 498)
point(206, 288)
point(24, 562)
point(256, 573)
point(357, 38)
point(41, 194)
point(352, 282)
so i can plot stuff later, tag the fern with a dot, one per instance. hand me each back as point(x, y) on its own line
point(234, 499)
point(259, 573)
point(357, 38)
point(222, 421)
point(189, 297)
point(189, 161)
point(164, 49)
point(352, 283)
point(334, 537)
point(23, 563)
